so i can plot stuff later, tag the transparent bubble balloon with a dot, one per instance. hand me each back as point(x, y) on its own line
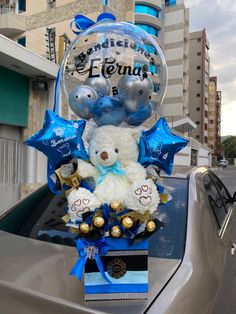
point(114, 73)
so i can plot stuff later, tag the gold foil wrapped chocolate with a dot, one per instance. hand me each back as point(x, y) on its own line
point(127, 222)
point(117, 206)
point(84, 228)
point(151, 226)
point(116, 232)
point(99, 222)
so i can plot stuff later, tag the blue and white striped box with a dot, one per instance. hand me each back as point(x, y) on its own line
point(126, 265)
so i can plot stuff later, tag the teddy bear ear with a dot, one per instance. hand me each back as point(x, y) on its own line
point(136, 133)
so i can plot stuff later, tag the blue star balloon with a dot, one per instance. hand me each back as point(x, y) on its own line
point(158, 146)
point(60, 140)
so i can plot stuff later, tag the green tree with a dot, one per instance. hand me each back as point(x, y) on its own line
point(230, 147)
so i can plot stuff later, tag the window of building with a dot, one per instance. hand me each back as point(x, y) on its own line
point(197, 122)
point(211, 121)
point(199, 54)
point(206, 139)
point(105, 2)
point(149, 29)
point(198, 95)
point(205, 126)
point(198, 67)
point(22, 41)
point(198, 108)
point(151, 49)
point(21, 6)
point(146, 9)
point(170, 2)
point(152, 68)
point(51, 4)
point(156, 87)
point(199, 40)
point(198, 81)
point(197, 137)
point(206, 114)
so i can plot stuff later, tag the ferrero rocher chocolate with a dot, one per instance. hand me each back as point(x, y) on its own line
point(84, 228)
point(99, 222)
point(116, 231)
point(151, 226)
point(127, 222)
point(115, 205)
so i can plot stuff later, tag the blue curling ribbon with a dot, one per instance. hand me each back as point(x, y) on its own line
point(92, 251)
point(115, 169)
point(81, 22)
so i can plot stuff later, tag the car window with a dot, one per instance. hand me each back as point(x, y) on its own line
point(215, 200)
point(40, 217)
point(223, 191)
point(169, 242)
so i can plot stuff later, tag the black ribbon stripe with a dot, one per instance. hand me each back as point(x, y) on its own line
point(133, 263)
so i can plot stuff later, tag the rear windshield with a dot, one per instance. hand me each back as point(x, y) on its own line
point(39, 217)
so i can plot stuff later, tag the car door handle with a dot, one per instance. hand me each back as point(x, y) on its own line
point(233, 249)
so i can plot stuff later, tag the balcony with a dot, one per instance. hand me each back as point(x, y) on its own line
point(11, 23)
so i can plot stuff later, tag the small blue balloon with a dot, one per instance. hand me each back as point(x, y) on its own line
point(109, 111)
point(60, 140)
point(138, 117)
point(82, 100)
point(158, 146)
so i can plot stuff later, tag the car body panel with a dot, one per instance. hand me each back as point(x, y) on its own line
point(34, 274)
point(42, 269)
point(197, 284)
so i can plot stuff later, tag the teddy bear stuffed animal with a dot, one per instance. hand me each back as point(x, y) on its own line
point(113, 153)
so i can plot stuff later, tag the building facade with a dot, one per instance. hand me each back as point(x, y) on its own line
point(214, 117)
point(44, 25)
point(24, 99)
point(168, 22)
point(199, 83)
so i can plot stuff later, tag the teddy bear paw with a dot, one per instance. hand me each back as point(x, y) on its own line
point(80, 202)
point(143, 196)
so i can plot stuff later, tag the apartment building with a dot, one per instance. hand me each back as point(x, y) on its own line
point(42, 25)
point(168, 22)
point(36, 30)
point(214, 117)
point(199, 83)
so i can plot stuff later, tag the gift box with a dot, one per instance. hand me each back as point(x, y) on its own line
point(126, 267)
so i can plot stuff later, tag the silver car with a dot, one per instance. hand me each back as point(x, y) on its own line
point(192, 263)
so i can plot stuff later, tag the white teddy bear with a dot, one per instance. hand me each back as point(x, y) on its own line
point(113, 153)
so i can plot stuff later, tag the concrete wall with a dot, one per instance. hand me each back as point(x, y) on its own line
point(183, 158)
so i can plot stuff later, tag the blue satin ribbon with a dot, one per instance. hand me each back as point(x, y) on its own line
point(82, 247)
point(115, 169)
point(81, 22)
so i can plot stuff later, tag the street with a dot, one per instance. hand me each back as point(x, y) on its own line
point(228, 177)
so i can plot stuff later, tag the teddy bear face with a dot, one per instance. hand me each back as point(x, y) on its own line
point(110, 144)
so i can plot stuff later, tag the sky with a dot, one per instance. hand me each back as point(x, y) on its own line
point(218, 17)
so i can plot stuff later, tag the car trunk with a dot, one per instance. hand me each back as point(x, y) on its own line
point(34, 278)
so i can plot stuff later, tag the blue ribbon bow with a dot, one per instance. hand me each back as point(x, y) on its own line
point(86, 251)
point(115, 169)
point(81, 22)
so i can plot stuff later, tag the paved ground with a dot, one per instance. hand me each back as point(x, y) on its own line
point(228, 177)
